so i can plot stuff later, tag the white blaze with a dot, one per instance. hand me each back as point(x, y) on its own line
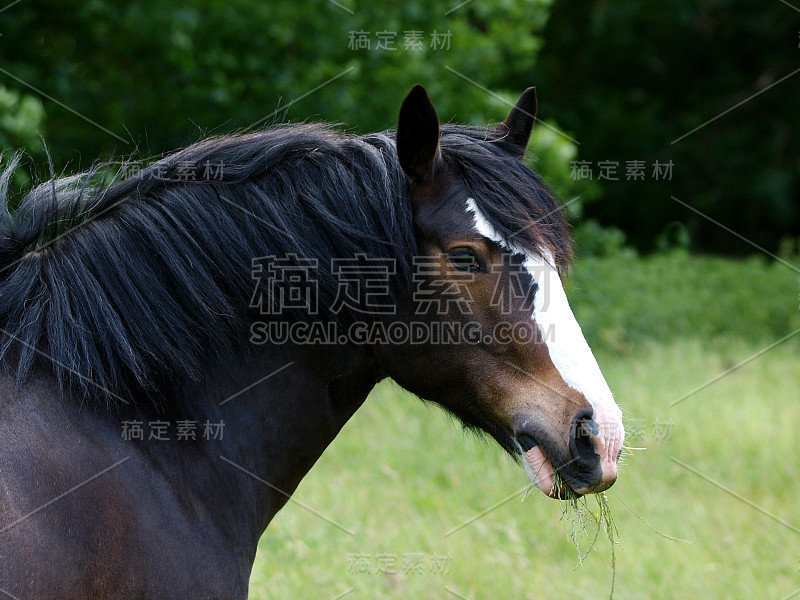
point(568, 349)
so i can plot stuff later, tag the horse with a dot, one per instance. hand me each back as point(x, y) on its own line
point(182, 341)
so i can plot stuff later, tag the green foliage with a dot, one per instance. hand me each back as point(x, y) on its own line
point(162, 74)
point(158, 75)
point(21, 122)
point(551, 153)
point(594, 240)
point(623, 301)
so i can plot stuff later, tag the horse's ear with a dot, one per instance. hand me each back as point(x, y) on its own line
point(418, 136)
point(518, 125)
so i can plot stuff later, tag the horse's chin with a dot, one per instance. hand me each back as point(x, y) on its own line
point(541, 472)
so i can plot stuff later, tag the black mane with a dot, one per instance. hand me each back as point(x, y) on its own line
point(124, 284)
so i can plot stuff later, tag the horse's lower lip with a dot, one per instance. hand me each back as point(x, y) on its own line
point(542, 474)
point(539, 469)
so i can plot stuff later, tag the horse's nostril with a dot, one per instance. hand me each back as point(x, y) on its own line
point(587, 472)
point(582, 431)
point(526, 441)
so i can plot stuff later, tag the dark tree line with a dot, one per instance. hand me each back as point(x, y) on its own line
point(630, 79)
point(624, 79)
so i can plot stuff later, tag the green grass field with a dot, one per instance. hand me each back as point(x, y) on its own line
point(402, 476)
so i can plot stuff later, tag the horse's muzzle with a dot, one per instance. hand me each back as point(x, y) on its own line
point(588, 465)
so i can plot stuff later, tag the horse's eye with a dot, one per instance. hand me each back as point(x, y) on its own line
point(465, 260)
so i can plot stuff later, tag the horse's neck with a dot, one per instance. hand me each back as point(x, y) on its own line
point(282, 407)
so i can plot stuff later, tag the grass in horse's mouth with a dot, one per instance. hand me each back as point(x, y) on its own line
point(576, 514)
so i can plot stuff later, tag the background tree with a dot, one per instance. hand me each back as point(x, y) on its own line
point(626, 80)
point(631, 78)
point(158, 74)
